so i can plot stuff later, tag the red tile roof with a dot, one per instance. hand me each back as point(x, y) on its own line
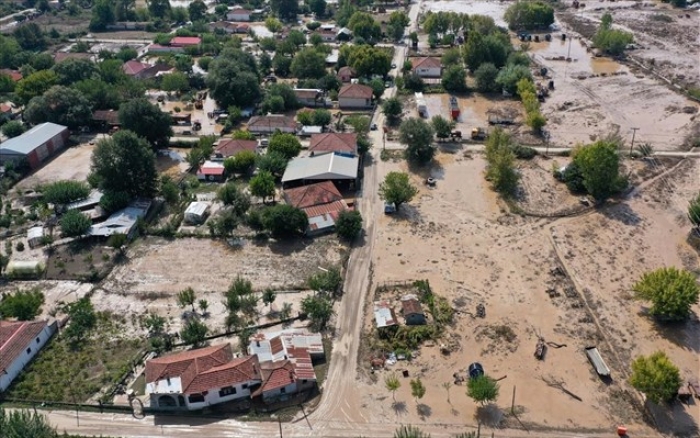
point(132, 68)
point(272, 122)
point(276, 375)
point(333, 209)
point(427, 62)
point(346, 71)
point(5, 108)
point(185, 41)
point(204, 369)
point(276, 345)
point(111, 117)
point(333, 142)
point(211, 169)
point(355, 91)
point(14, 74)
point(229, 147)
point(312, 195)
point(15, 337)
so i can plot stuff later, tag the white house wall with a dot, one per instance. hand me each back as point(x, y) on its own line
point(347, 102)
point(276, 393)
point(18, 364)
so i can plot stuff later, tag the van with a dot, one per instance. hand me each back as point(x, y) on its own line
point(264, 142)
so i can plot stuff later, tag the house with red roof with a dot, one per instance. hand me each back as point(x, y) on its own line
point(15, 75)
point(182, 41)
point(343, 143)
point(427, 67)
point(19, 342)
point(195, 379)
point(211, 171)
point(322, 203)
point(229, 147)
point(355, 96)
point(286, 362)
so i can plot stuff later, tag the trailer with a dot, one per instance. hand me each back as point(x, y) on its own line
point(597, 361)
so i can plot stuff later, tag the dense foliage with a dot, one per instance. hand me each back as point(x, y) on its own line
point(23, 304)
point(672, 293)
point(656, 376)
point(397, 188)
point(529, 16)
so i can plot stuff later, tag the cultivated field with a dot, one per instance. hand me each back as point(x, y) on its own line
point(567, 280)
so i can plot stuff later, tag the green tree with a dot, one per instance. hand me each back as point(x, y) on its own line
point(284, 220)
point(24, 424)
point(82, 319)
point(230, 194)
point(285, 9)
point(441, 126)
point(204, 62)
point(454, 78)
point(366, 60)
point(349, 224)
point(671, 291)
point(186, 297)
point(510, 75)
point(318, 309)
point(24, 305)
point(197, 10)
point(322, 117)
point(12, 129)
point(392, 109)
point(281, 65)
point(308, 63)
point(500, 158)
point(71, 71)
point(398, 21)
point(482, 389)
point(233, 79)
point(34, 85)
point(102, 15)
point(397, 188)
point(485, 77)
point(364, 26)
point(529, 16)
point(124, 164)
point(75, 224)
point(599, 164)
point(410, 432)
point(176, 81)
point(414, 82)
point(318, 7)
point(451, 57)
point(328, 281)
point(159, 8)
point(61, 105)
point(417, 388)
point(194, 332)
point(262, 185)
point(30, 36)
point(224, 223)
point(272, 162)
point(417, 135)
point(243, 163)
point(392, 384)
point(609, 40)
point(287, 145)
point(378, 87)
point(64, 191)
point(656, 376)
point(147, 121)
point(268, 296)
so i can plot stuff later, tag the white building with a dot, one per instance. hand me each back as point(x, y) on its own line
point(19, 343)
point(196, 212)
point(427, 67)
point(238, 14)
point(355, 96)
point(195, 379)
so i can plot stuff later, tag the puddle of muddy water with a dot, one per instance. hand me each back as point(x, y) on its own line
point(572, 55)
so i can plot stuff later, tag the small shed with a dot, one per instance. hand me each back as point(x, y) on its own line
point(35, 235)
point(412, 311)
point(196, 213)
point(384, 314)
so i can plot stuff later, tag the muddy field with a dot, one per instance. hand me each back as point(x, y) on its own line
point(72, 164)
point(566, 280)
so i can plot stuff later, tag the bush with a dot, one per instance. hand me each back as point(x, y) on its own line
point(524, 152)
point(75, 224)
point(485, 77)
point(283, 221)
point(599, 164)
point(13, 128)
point(482, 389)
point(609, 40)
point(510, 75)
point(413, 82)
point(23, 305)
point(656, 376)
point(529, 16)
point(64, 192)
point(501, 163)
point(671, 291)
point(454, 78)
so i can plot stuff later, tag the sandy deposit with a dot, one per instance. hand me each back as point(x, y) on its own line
point(459, 237)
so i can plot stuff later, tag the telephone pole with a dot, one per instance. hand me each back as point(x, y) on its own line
point(634, 132)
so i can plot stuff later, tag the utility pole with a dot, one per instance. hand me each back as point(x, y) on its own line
point(634, 132)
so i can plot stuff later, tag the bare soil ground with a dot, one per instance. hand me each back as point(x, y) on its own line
point(80, 260)
point(566, 280)
point(73, 164)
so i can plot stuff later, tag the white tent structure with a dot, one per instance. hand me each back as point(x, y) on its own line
point(196, 212)
point(321, 168)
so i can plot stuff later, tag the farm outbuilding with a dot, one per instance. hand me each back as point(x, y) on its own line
point(36, 145)
point(196, 212)
point(335, 167)
point(35, 235)
point(25, 269)
point(411, 309)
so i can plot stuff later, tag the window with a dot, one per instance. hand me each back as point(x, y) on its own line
point(245, 386)
point(229, 390)
point(283, 391)
point(37, 340)
point(303, 381)
point(29, 350)
point(195, 398)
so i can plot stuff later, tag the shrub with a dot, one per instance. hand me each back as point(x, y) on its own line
point(671, 291)
point(609, 40)
point(283, 220)
point(485, 77)
point(656, 376)
point(75, 224)
point(64, 192)
point(23, 305)
point(349, 224)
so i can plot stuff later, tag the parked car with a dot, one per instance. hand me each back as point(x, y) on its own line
point(373, 127)
point(389, 208)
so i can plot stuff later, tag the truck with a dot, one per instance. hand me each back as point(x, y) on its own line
point(422, 105)
point(478, 134)
point(454, 108)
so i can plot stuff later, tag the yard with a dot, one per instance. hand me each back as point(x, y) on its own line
point(71, 164)
point(62, 374)
point(84, 260)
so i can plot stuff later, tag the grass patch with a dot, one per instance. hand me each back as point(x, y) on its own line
point(62, 374)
